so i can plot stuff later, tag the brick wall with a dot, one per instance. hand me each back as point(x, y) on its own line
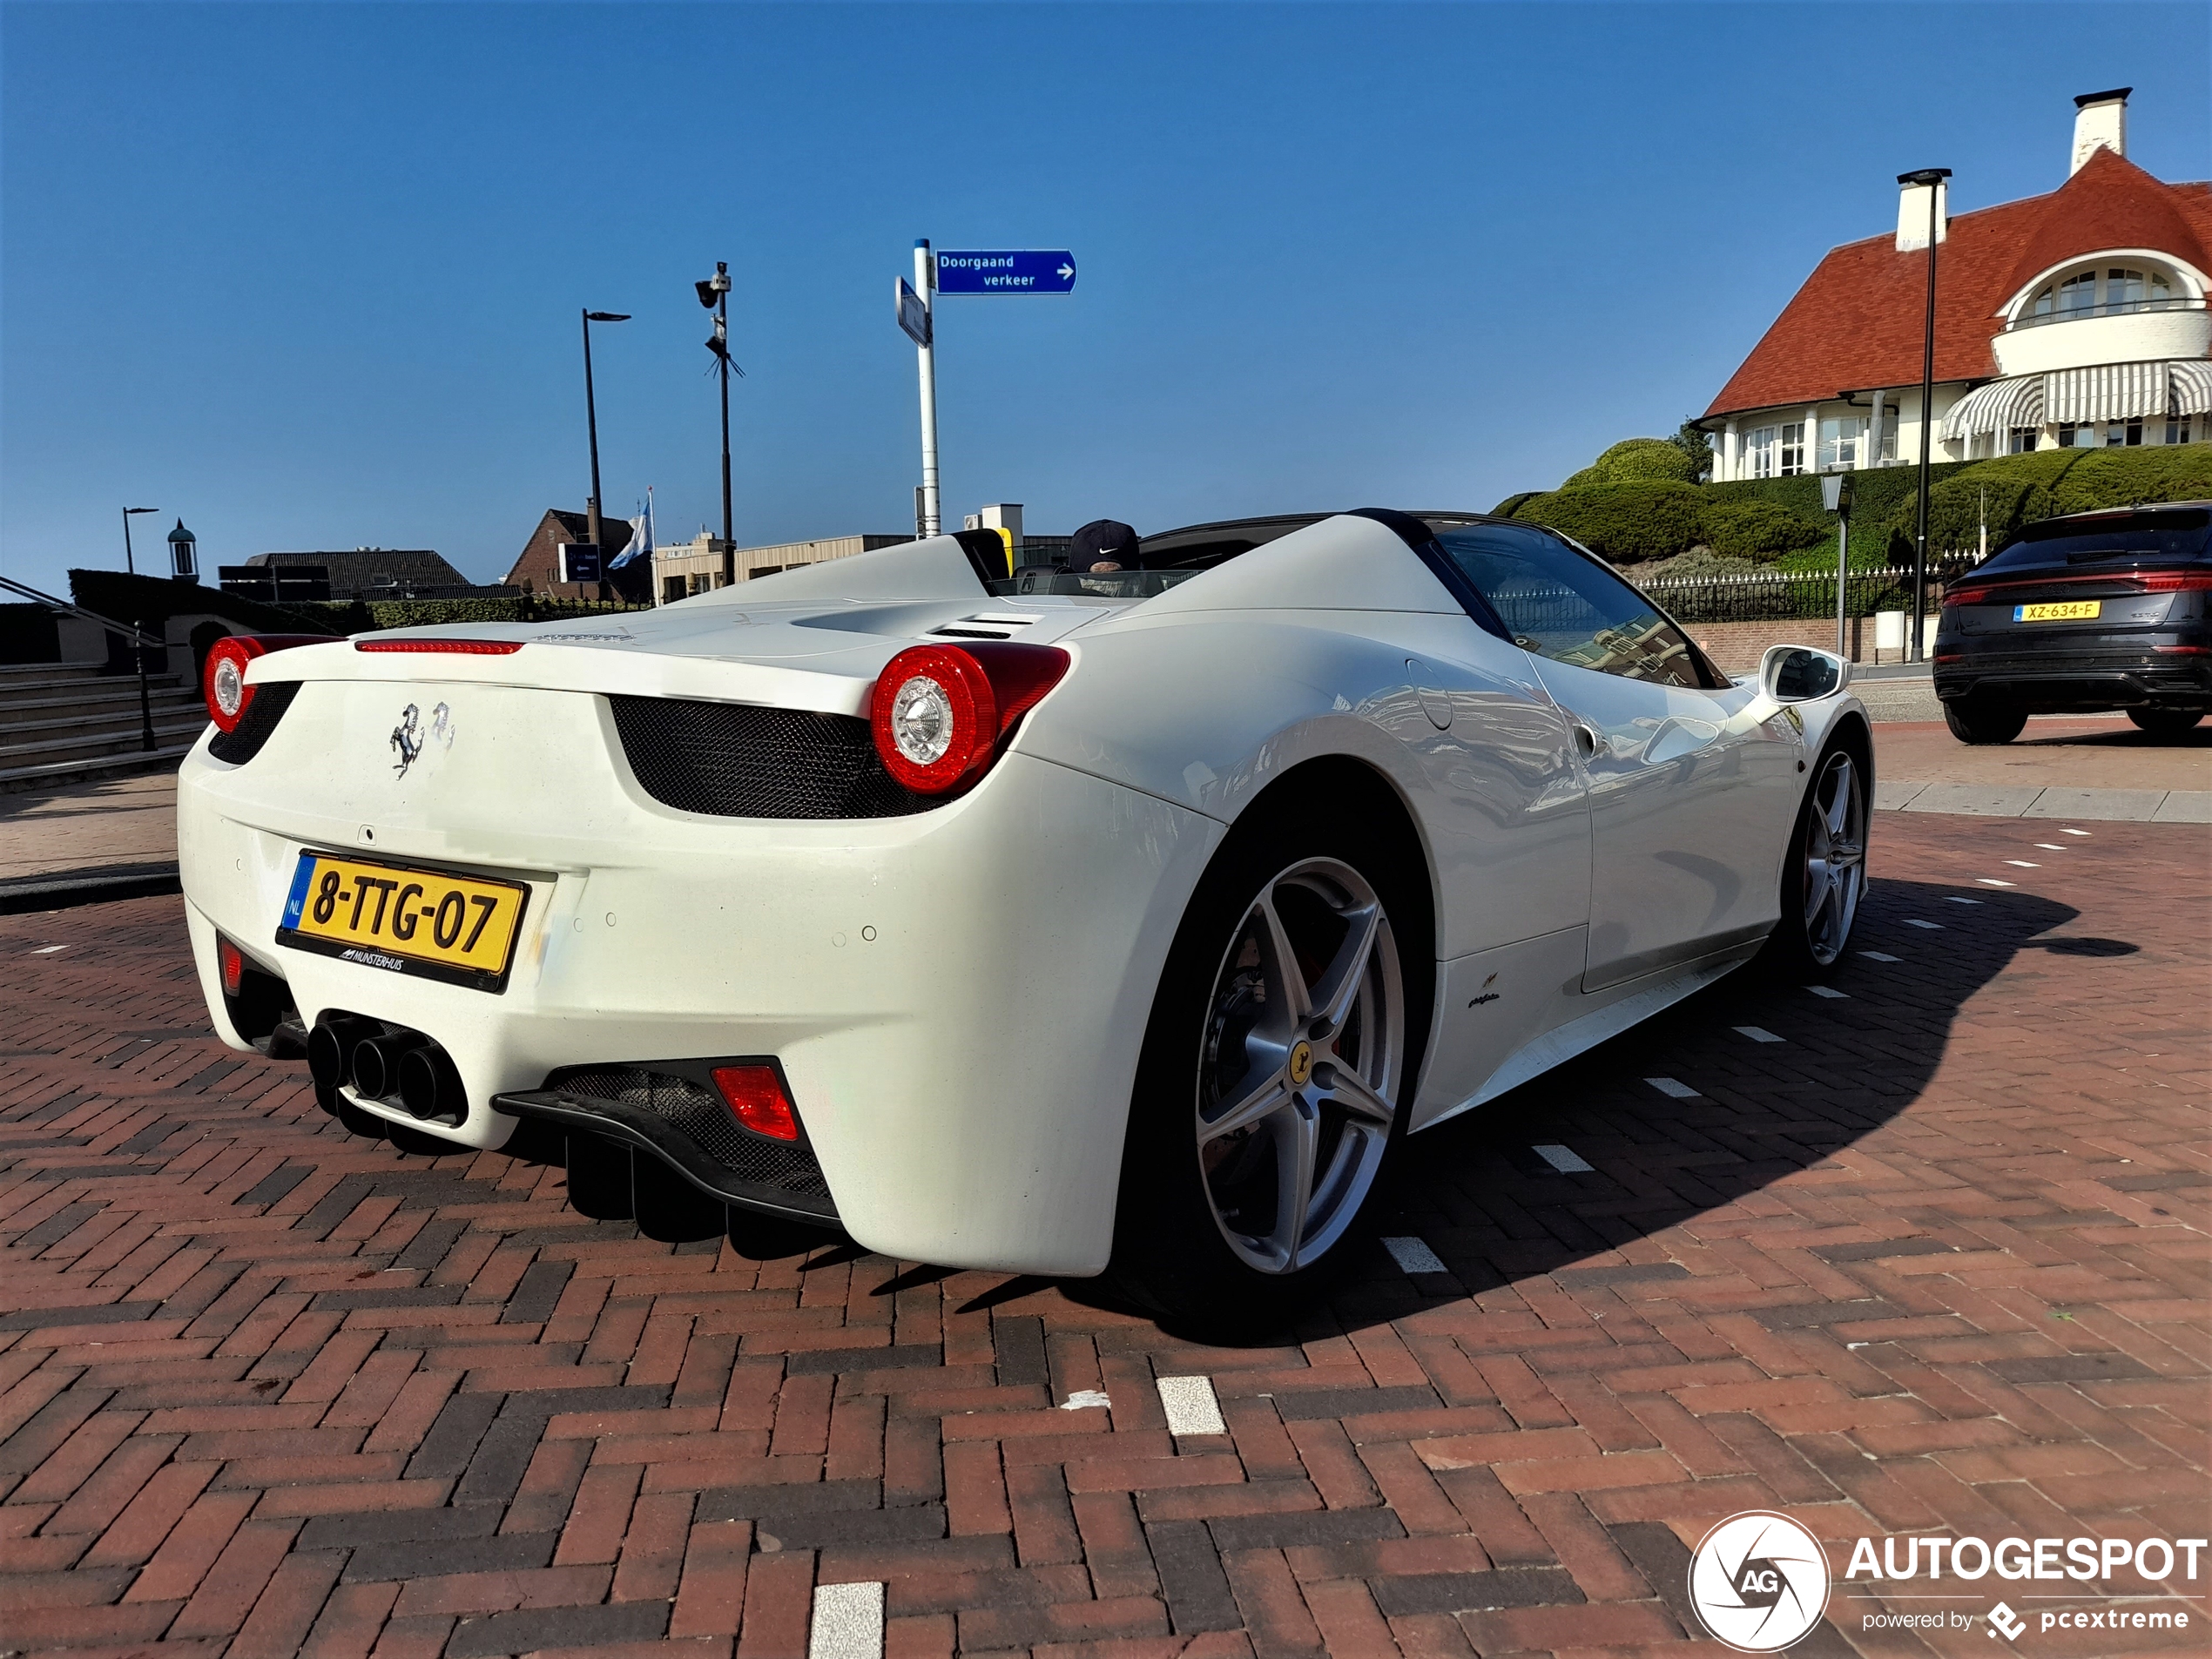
point(1735, 647)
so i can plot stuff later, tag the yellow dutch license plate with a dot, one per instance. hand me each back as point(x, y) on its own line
point(2072, 610)
point(458, 929)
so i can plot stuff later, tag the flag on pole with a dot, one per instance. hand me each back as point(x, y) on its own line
point(640, 544)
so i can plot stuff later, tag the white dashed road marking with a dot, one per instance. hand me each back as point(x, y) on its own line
point(848, 1623)
point(1992, 882)
point(1191, 1405)
point(48, 950)
point(1880, 956)
point(1083, 1399)
point(1827, 990)
point(1757, 1034)
point(1952, 898)
point(1915, 921)
point(1671, 1089)
point(1564, 1159)
point(1413, 1255)
point(2064, 830)
point(2050, 847)
point(2022, 864)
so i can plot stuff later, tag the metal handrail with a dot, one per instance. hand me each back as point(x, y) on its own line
point(131, 630)
point(2114, 308)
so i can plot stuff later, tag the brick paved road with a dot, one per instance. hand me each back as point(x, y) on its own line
point(1935, 1260)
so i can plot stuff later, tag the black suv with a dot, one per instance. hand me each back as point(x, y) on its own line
point(2094, 612)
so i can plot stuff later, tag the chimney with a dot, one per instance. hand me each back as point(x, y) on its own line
point(1912, 213)
point(2100, 118)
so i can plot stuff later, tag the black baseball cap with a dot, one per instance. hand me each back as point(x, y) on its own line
point(1102, 539)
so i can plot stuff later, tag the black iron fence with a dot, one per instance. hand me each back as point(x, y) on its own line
point(1791, 596)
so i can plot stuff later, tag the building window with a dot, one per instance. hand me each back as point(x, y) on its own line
point(2127, 433)
point(672, 590)
point(1843, 443)
point(1889, 417)
point(2022, 440)
point(1793, 448)
point(2082, 434)
point(2177, 428)
point(1758, 452)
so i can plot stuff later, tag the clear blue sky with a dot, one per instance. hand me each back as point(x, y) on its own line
point(308, 275)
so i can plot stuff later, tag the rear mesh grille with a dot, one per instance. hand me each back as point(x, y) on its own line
point(689, 1109)
point(734, 760)
point(257, 725)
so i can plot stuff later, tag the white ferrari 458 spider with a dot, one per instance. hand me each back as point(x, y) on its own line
point(1059, 923)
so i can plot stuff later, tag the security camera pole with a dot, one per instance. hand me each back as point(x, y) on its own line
point(714, 294)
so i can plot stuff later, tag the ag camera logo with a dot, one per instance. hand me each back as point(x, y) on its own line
point(1759, 1581)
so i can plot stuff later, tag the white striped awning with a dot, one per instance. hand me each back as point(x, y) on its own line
point(2105, 391)
point(2192, 389)
point(1997, 407)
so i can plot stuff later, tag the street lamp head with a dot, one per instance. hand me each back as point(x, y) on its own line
point(141, 510)
point(1926, 176)
point(606, 316)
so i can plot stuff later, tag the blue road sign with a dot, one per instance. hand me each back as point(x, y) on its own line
point(1028, 270)
point(913, 316)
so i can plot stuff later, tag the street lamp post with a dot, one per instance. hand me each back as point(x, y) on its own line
point(1930, 179)
point(714, 294)
point(591, 418)
point(129, 563)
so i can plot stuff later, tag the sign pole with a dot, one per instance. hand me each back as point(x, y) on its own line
point(925, 287)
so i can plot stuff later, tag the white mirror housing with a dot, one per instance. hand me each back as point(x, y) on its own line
point(1801, 674)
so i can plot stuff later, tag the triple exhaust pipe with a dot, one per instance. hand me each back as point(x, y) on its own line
point(387, 1063)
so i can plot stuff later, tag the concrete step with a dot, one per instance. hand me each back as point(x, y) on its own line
point(98, 746)
point(14, 675)
point(64, 700)
point(100, 722)
point(15, 693)
point(55, 774)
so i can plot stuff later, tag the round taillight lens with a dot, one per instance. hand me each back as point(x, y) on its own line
point(934, 718)
point(228, 695)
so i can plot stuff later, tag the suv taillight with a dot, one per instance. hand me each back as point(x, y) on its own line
point(939, 713)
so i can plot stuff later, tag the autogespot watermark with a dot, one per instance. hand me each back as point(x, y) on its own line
point(1760, 1583)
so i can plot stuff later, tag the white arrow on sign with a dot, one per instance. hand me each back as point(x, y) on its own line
point(1067, 270)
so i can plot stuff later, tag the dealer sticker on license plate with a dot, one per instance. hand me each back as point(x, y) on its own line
point(2072, 610)
point(458, 929)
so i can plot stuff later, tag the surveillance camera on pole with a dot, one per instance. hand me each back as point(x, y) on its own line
point(714, 294)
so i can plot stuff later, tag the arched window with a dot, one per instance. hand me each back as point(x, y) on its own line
point(2110, 291)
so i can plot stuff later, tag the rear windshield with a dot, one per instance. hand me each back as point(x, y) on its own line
point(2124, 540)
point(1098, 585)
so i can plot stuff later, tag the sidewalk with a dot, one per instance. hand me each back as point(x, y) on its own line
point(115, 838)
point(2095, 766)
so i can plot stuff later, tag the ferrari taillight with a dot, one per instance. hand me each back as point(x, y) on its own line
point(939, 711)
point(223, 679)
point(756, 1098)
point(456, 647)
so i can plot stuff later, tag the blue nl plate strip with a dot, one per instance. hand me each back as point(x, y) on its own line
point(302, 879)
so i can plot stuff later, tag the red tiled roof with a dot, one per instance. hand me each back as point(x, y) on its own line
point(1855, 324)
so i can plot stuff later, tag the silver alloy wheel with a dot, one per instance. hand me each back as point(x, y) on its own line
point(1835, 857)
point(1299, 1075)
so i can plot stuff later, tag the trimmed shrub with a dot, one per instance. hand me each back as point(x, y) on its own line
point(1625, 522)
point(1756, 529)
point(1637, 460)
point(2123, 477)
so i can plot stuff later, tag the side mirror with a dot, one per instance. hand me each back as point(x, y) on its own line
point(1799, 673)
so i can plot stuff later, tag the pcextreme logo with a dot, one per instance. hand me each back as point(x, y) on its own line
point(1760, 1583)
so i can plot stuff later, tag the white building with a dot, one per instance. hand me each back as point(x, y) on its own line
point(682, 568)
point(2073, 320)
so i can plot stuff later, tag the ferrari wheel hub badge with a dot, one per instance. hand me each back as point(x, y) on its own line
point(1301, 1064)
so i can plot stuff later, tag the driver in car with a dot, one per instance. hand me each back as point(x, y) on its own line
point(1104, 545)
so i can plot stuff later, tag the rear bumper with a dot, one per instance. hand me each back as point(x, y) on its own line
point(956, 998)
point(2175, 674)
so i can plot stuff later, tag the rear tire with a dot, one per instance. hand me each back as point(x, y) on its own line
point(2166, 723)
point(1971, 721)
point(1276, 1070)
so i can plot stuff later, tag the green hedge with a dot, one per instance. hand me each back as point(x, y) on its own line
point(1638, 461)
point(1626, 523)
point(1756, 529)
point(2019, 491)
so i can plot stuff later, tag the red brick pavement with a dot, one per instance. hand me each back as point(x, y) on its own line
point(1934, 1262)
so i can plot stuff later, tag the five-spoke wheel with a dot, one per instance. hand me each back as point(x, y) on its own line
point(1296, 1081)
point(1835, 857)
